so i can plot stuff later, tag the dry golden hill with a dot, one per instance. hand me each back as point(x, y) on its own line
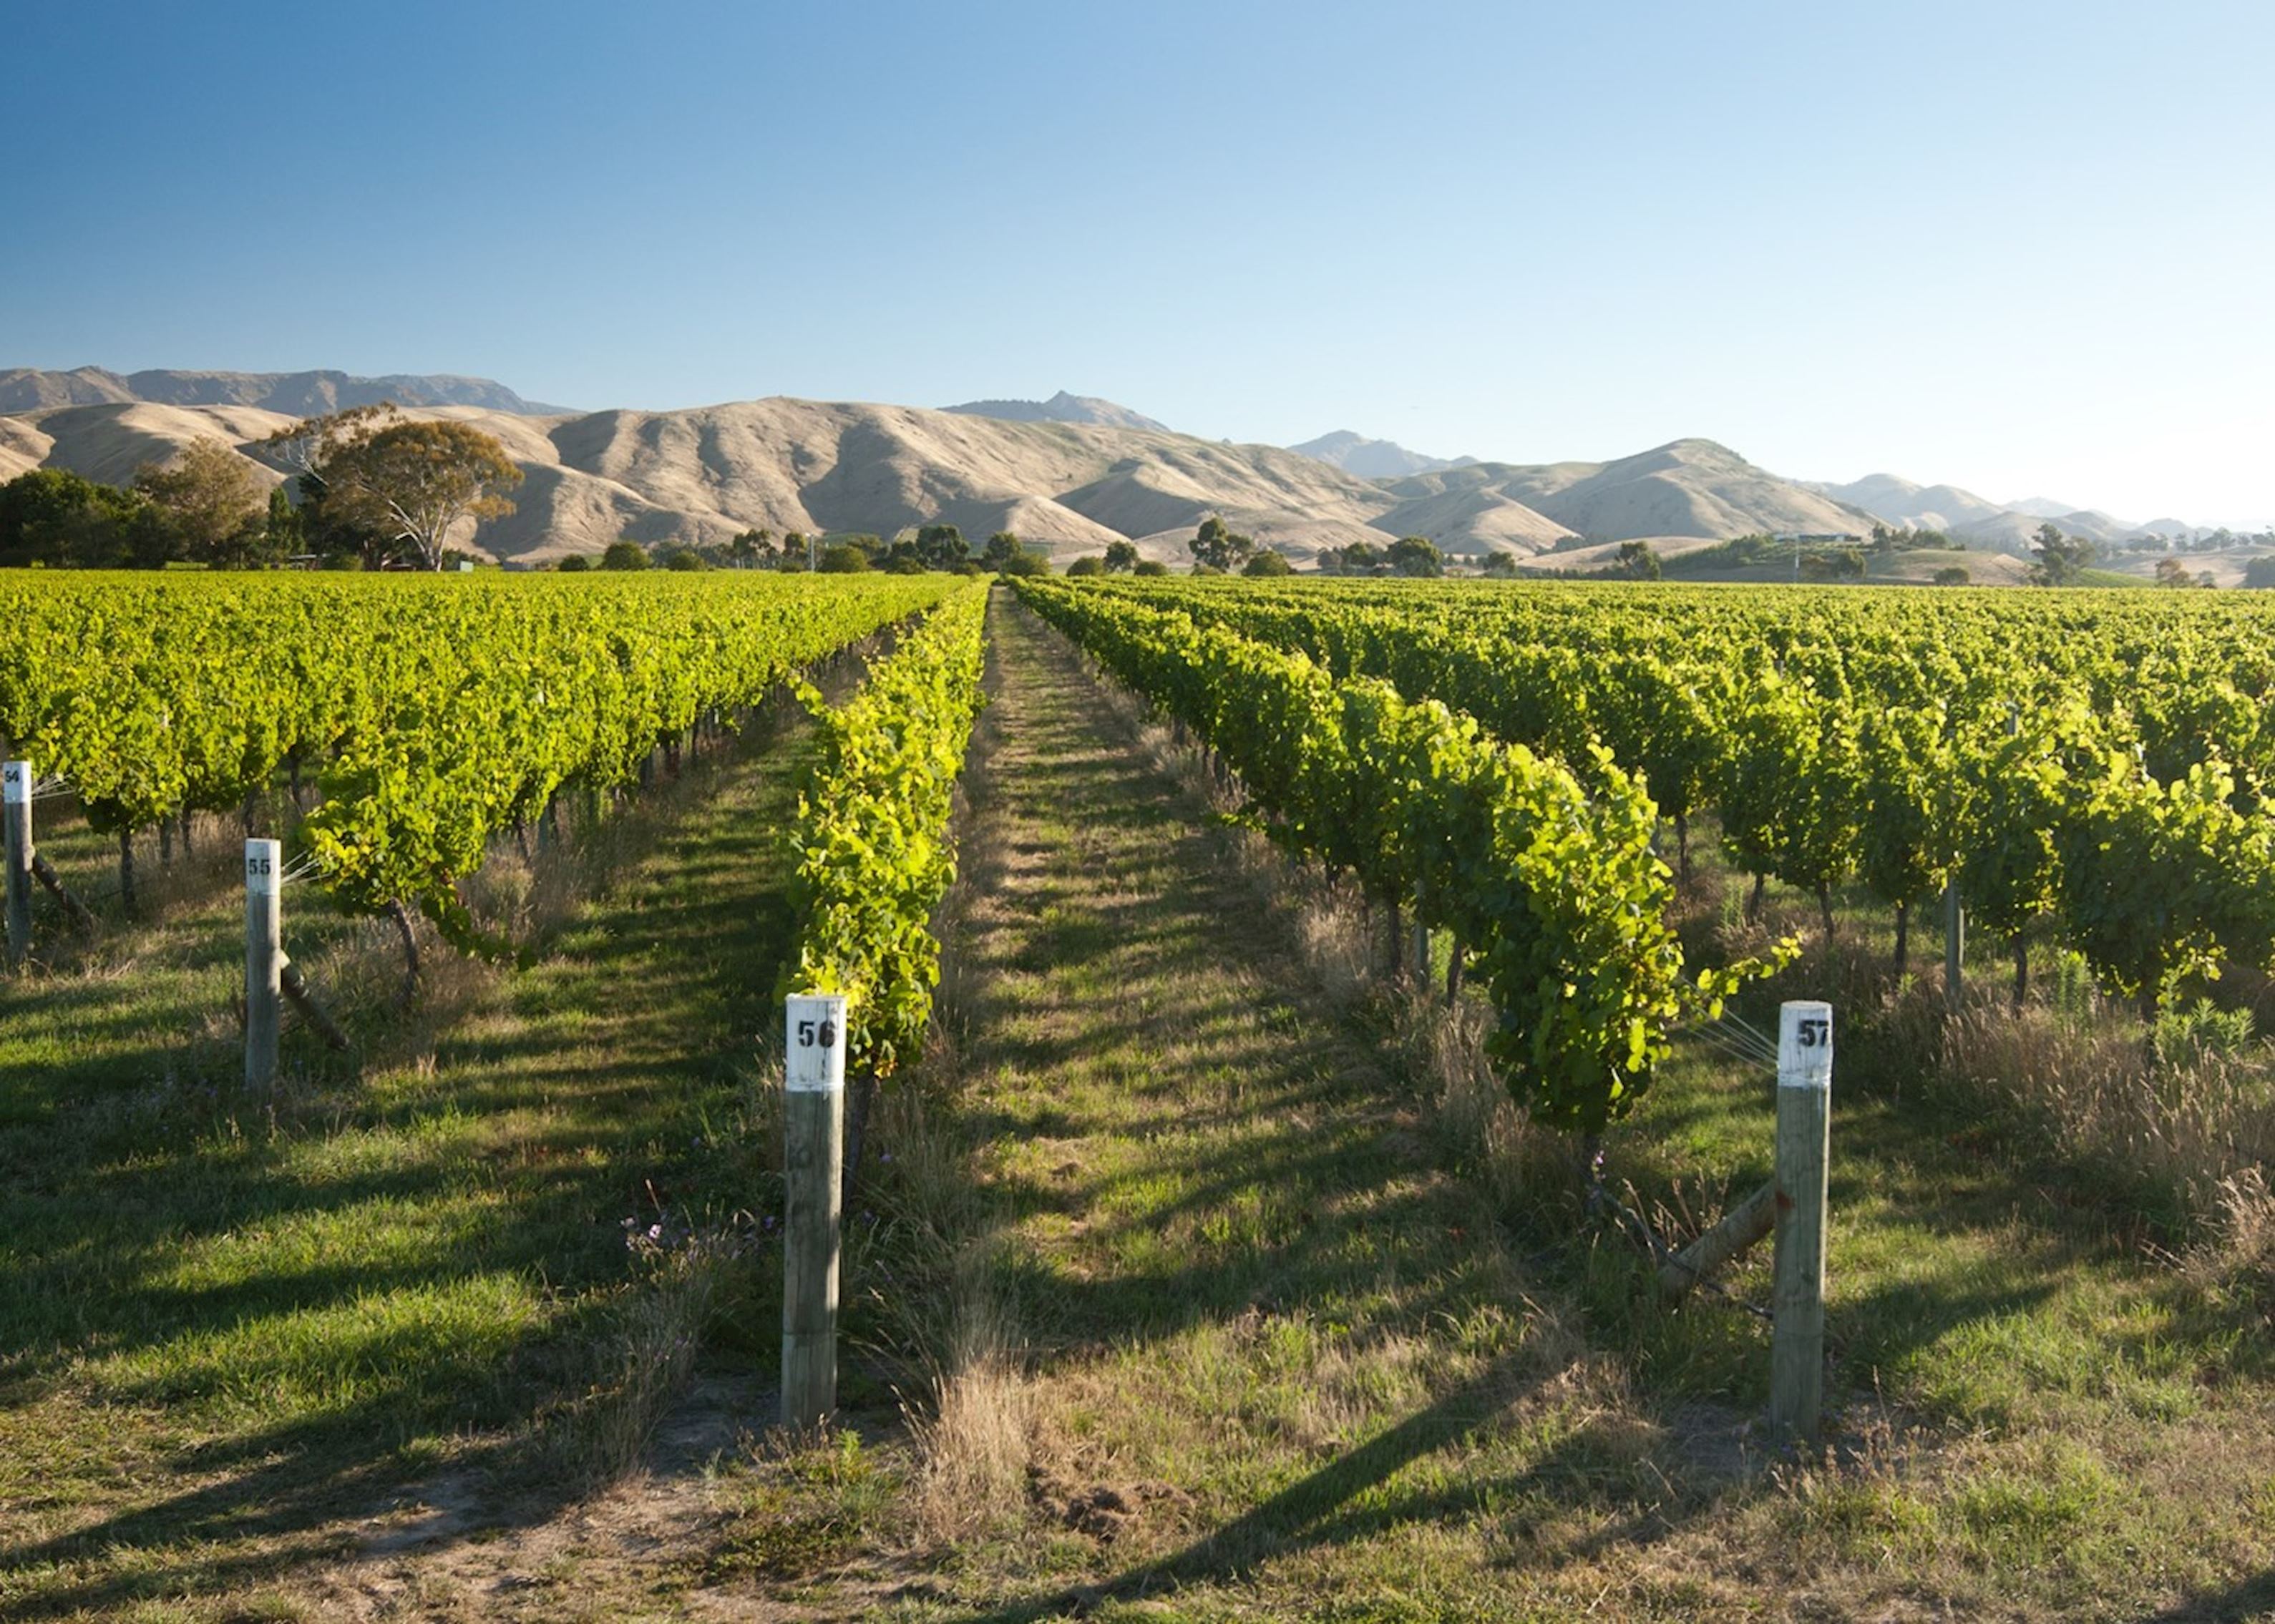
point(703, 474)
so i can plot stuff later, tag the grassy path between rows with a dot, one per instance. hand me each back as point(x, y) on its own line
point(1271, 1357)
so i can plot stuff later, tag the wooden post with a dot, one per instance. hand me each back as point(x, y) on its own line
point(1804, 1094)
point(814, 1144)
point(16, 808)
point(264, 960)
point(1955, 949)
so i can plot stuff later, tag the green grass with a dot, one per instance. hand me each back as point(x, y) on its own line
point(233, 1326)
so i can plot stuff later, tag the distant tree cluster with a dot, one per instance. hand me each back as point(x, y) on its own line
point(206, 507)
point(1638, 562)
point(1900, 539)
point(936, 546)
point(1219, 549)
point(1415, 556)
point(1837, 564)
point(2218, 541)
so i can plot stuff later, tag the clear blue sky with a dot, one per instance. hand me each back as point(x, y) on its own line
point(2022, 247)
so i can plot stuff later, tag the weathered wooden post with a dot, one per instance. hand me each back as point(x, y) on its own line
point(264, 960)
point(1955, 949)
point(1804, 1094)
point(16, 808)
point(813, 1145)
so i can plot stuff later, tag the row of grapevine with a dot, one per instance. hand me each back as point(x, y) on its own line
point(435, 712)
point(875, 856)
point(2096, 765)
point(874, 853)
point(1543, 873)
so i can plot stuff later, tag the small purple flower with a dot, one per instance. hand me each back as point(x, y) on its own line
point(655, 1232)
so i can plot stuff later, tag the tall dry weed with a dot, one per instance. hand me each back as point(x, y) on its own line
point(2181, 1129)
point(974, 1435)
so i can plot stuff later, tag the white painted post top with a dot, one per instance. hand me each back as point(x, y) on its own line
point(1805, 1045)
point(815, 1043)
point(16, 781)
point(263, 866)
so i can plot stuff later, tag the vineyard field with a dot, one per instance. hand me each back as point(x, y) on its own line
point(1290, 1025)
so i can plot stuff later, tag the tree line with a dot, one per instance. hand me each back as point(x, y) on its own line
point(929, 549)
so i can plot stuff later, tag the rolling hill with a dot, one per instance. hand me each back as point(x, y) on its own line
point(703, 474)
point(1686, 487)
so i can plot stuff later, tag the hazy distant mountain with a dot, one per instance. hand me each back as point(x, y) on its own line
point(1685, 488)
point(297, 394)
point(1060, 408)
point(1374, 459)
point(1899, 502)
point(2009, 528)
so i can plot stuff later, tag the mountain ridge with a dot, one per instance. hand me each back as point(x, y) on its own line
point(702, 474)
point(1375, 459)
point(300, 394)
point(2008, 526)
point(1060, 408)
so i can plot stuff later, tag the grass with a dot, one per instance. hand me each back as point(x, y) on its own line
point(239, 1330)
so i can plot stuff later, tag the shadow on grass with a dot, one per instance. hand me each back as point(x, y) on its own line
point(2254, 1598)
point(225, 1262)
point(1355, 1498)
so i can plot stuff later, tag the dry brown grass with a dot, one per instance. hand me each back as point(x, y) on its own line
point(2182, 1130)
point(973, 1441)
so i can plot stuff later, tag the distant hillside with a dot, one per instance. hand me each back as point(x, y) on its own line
point(1899, 502)
point(705, 473)
point(1374, 459)
point(2007, 527)
point(296, 394)
point(1686, 487)
point(1060, 408)
point(702, 474)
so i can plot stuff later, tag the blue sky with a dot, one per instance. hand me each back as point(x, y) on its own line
point(2021, 247)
